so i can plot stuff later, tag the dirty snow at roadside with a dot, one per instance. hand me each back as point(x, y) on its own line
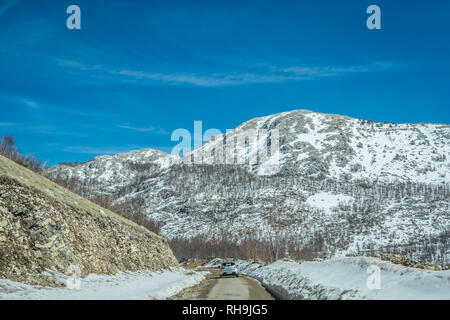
point(346, 278)
point(139, 285)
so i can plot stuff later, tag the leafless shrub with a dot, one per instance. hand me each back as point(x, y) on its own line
point(9, 150)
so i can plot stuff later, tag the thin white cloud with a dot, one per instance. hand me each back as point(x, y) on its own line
point(163, 132)
point(149, 129)
point(30, 103)
point(272, 74)
point(321, 72)
point(160, 131)
point(7, 124)
point(207, 80)
point(8, 4)
point(98, 150)
point(75, 64)
point(18, 99)
point(53, 130)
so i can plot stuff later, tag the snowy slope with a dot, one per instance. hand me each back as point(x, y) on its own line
point(342, 185)
point(324, 216)
point(311, 144)
point(139, 285)
point(327, 201)
point(107, 174)
point(346, 278)
point(324, 145)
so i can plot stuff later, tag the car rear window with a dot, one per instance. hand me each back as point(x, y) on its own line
point(227, 264)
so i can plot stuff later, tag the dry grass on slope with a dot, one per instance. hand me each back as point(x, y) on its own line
point(31, 179)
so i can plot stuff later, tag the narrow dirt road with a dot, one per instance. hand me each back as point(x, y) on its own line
point(227, 288)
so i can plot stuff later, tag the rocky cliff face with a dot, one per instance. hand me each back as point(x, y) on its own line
point(45, 228)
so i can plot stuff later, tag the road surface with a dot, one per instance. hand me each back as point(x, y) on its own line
point(227, 288)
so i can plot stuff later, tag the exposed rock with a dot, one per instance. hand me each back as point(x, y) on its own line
point(53, 234)
point(16, 212)
point(399, 259)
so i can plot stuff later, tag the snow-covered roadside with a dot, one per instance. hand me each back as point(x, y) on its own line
point(346, 278)
point(139, 285)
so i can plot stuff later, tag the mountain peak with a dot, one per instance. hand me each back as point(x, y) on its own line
point(341, 185)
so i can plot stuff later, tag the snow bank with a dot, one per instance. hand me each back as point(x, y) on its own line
point(346, 278)
point(138, 285)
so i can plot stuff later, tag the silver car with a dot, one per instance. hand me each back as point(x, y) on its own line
point(229, 269)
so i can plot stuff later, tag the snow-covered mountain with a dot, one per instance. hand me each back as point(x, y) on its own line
point(334, 146)
point(106, 175)
point(341, 185)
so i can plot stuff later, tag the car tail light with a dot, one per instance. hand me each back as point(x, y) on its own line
point(221, 268)
point(235, 267)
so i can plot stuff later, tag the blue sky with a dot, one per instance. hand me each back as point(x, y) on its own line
point(138, 70)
